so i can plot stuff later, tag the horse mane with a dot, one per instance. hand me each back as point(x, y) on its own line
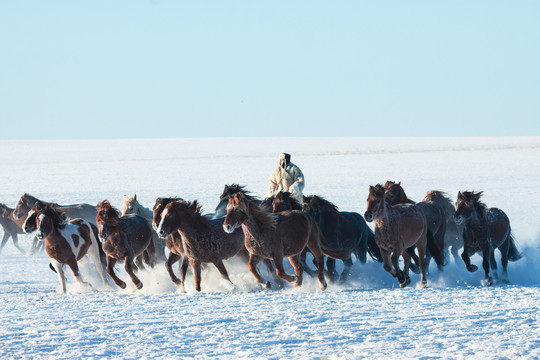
point(5, 210)
point(58, 218)
point(236, 188)
point(113, 217)
point(194, 210)
point(443, 200)
point(377, 190)
point(473, 198)
point(266, 219)
point(325, 205)
point(403, 199)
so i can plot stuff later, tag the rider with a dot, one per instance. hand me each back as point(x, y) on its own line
point(286, 177)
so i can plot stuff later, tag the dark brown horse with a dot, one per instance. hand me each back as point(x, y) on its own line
point(453, 236)
point(397, 228)
point(204, 240)
point(283, 201)
point(174, 243)
point(435, 219)
point(345, 233)
point(485, 230)
point(275, 236)
point(124, 238)
point(68, 242)
point(12, 227)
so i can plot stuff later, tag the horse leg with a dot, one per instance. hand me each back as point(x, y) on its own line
point(466, 256)
point(183, 269)
point(395, 264)
point(314, 245)
point(347, 263)
point(110, 270)
point(128, 265)
point(60, 272)
point(223, 271)
point(455, 253)
point(252, 266)
point(139, 263)
point(421, 245)
point(16, 243)
point(150, 254)
point(387, 264)
point(173, 258)
point(493, 265)
point(74, 266)
point(504, 249)
point(414, 266)
point(196, 265)
point(298, 270)
point(280, 270)
point(4, 241)
point(305, 265)
point(93, 253)
point(486, 256)
point(331, 266)
point(406, 266)
point(270, 266)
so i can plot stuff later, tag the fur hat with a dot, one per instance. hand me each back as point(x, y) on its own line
point(286, 157)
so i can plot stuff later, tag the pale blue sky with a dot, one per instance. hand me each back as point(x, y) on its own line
point(137, 69)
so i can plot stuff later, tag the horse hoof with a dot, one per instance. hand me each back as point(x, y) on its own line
point(268, 286)
point(122, 285)
point(139, 286)
point(487, 282)
point(473, 268)
point(323, 285)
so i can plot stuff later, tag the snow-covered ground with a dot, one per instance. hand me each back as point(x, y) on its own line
point(455, 317)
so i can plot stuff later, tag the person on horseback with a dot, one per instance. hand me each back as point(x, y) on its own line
point(286, 177)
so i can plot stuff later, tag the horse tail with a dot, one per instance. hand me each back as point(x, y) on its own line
point(95, 234)
point(513, 252)
point(436, 252)
point(372, 247)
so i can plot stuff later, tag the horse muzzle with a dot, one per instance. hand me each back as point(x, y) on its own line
point(458, 219)
point(368, 217)
point(229, 229)
point(162, 233)
point(39, 235)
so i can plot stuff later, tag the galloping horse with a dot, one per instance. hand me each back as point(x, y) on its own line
point(274, 236)
point(67, 242)
point(130, 206)
point(435, 220)
point(344, 233)
point(204, 240)
point(485, 230)
point(124, 238)
point(173, 242)
point(453, 236)
point(397, 228)
point(12, 227)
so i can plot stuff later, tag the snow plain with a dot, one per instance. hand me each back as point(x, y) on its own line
point(456, 317)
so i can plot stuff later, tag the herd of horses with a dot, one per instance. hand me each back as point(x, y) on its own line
point(266, 231)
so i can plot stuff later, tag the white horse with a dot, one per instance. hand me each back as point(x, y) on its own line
point(68, 242)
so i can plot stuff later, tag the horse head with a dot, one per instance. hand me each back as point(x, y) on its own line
point(468, 205)
point(284, 201)
point(26, 202)
point(375, 203)
point(175, 214)
point(30, 224)
point(47, 220)
point(237, 212)
point(395, 193)
point(107, 219)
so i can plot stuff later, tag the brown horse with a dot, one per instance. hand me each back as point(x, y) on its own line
point(204, 240)
point(274, 236)
point(12, 227)
point(453, 236)
point(397, 228)
point(435, 219)
point(68, 242)
point(485, 230)
point(124, 238)
point(174, 243)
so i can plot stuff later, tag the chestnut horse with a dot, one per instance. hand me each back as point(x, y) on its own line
point(435, 220)
point(68, 242)
point(12, 227)
point(204, 240)
point(397, 228)
point(124, 238)
point(274, 236)
point(485, 230)
point(345, 232)
point(129, 206)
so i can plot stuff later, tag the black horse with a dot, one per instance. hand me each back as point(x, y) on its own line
point(344, 233)
point(221, 208)
point(485, 230)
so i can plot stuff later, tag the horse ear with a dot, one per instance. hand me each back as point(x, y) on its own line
point(135, 197)
point(399, 183)
point(226, 188)
point(477, 196)
point(304, 200)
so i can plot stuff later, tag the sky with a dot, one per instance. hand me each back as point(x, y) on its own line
point(174, 69)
